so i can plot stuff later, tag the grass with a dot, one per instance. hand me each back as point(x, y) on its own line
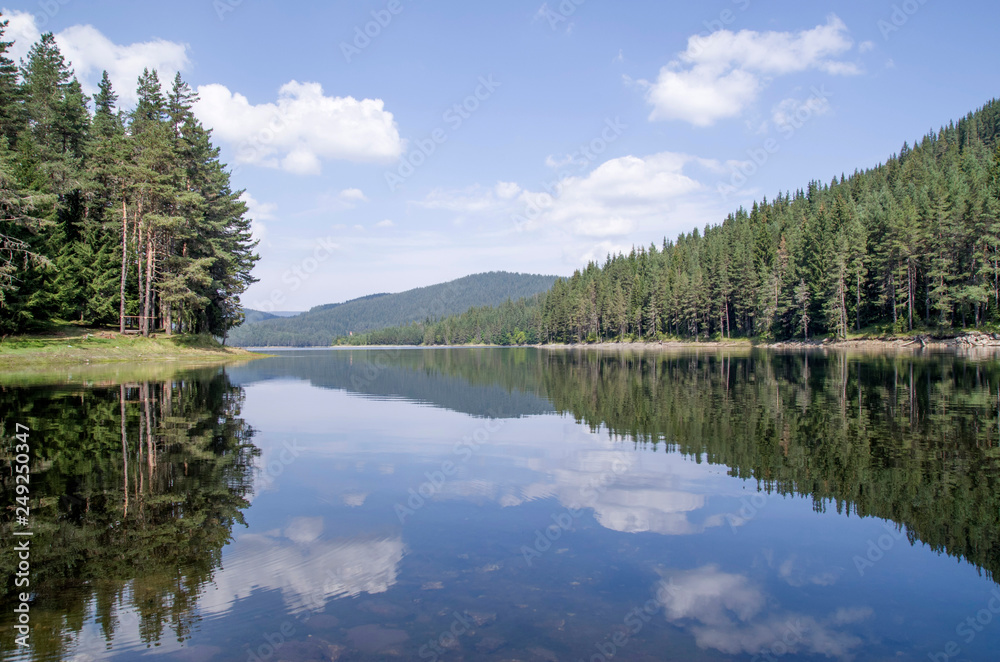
point(72, 344)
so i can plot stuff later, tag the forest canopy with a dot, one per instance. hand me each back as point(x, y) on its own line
point(106, 213)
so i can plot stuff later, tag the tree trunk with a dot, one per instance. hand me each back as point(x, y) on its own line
point(121, 305)
point(859, 302)
point(138, 265)
point(909, 292)
point(147, 308)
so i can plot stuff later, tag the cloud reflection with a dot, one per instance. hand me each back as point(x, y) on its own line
point(729, 613)
point(307, 569)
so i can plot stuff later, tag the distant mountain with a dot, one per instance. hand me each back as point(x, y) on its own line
point(257, 316)
point(319, 326)
point(254, 316)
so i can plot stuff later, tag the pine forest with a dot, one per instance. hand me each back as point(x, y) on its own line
point(110, 217)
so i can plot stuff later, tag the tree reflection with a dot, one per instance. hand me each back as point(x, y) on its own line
point(135, 489)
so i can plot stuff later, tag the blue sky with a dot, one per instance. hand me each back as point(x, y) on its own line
point(458, 137)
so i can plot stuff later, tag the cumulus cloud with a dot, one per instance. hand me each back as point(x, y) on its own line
point(90, 53)
point(353, 195)
point(258, 212)
point(611, 201)
point(718, 76)
point(301, 129)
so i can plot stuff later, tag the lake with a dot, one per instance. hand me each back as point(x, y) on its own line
point(510, 504)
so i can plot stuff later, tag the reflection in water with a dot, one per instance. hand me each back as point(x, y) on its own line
point(307, 570)
point(657, 456)
point(729, 613)
point(135, 491)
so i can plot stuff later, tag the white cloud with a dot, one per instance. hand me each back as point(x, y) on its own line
point(353, 195)
point(794, 112)
point(301, 129)
point(507, 190)
point(614, 199)
point(90, 53)
point(471, 200)
point(611, 201)
point(718, 76)
point(385, 224)
point(866, 46)
point(259, 212)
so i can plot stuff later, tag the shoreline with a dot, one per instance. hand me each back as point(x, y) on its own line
point(966, 341)
point(72, 346)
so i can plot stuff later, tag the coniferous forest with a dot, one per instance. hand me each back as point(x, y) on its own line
point(913, 244)
point(107, 214)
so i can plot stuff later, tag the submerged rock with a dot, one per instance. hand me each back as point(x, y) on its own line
point(375, 638)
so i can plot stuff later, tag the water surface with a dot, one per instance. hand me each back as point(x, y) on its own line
point(486, 504)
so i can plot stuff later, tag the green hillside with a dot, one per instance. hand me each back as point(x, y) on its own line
point(321, 325)
point(255, 316)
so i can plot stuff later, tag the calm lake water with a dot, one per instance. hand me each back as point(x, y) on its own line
point(512, 504)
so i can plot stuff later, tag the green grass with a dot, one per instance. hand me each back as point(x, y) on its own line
point(67, 344)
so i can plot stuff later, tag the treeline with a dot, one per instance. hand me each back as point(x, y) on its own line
point(106, 214)
point(324, 325)
point(912, 244)
point(511, 323)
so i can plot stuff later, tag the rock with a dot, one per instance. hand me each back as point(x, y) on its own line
point(313, 649)
point(491, 644)
point(375, 638)
point(482, 618)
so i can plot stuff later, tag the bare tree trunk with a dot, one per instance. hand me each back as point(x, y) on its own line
point(121, 305)
point(909, 292)
point(147, 307)
point(138, 264)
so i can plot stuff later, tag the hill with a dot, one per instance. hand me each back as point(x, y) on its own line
point(255, 316)
point(321, 325)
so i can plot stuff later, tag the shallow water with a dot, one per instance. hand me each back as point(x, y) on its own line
point(487, 504)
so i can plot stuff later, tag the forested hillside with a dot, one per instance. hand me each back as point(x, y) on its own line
point(322, 325)
point(911, 244)
point(106, 213)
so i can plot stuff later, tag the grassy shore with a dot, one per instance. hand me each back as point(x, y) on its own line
point(70, 344)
